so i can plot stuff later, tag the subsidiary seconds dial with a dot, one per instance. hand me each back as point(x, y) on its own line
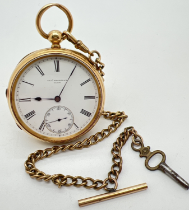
point(59, 119)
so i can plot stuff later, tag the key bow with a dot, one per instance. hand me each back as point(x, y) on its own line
point(138, 146)
point(145, 152)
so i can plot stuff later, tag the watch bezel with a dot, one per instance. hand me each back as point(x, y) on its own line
point(33, 57)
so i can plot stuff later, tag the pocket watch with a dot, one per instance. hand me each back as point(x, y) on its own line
point(56, 94)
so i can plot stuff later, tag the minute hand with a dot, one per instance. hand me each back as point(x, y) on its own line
point(67, 80)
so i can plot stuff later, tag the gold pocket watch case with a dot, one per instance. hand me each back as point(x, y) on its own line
point(57, 95)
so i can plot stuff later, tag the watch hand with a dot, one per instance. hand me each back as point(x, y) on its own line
point(56, 98)
point(39, 98)
point(67, 80)
point(58, 120)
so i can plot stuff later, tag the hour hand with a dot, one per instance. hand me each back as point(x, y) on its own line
point(39, 98)
point(36, 99)
point(56, 98)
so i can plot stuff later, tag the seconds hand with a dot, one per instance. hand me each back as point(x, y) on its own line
point(67, 80)
point(58, 120)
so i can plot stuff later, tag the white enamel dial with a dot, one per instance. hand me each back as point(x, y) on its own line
point(56, 82)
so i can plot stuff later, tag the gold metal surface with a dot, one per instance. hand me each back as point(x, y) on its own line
point(32, 57)
point(55, 37)
point(108, 196)
point(112, 181)
point(81, 46)
point(45, 8)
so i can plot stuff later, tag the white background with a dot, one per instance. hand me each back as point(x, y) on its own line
point(145, 46)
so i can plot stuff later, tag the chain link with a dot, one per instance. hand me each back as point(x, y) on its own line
point(61, 180)
point(116, 151)
point(81, 46)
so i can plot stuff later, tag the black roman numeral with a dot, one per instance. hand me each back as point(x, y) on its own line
point(42, 126)
point(30, 115)
point(86, 113)
point(76, 125)
point(24, 99)
point(89, 97)
point(85, 82)
point(56, 64)
point(39, 70)
point(28, 83)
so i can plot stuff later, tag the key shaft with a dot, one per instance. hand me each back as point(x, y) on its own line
point(145, 152)
point(172, 174)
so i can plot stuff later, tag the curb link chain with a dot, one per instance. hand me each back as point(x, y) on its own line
point(61, 180)
point(116, 152)
point(79, 45)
